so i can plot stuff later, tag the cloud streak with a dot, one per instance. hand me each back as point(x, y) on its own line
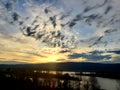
point(90, 56)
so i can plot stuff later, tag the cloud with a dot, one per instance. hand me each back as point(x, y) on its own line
point(91, 18)
point(20, 49)
point(38, 30)
point(115, 52)
point(12, 62)
point(24, 49)
point(115, 59)
point(96, 52)
point(64, 51)
point(90, 56)
point(61, 60)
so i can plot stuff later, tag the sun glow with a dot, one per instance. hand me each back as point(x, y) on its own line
point(53, 58)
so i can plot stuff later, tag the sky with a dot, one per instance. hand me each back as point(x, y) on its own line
point(43, 31)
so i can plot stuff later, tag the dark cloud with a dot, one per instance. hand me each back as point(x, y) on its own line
point(110, 31)
point(65, 16)
point(47, 10)
point(100, 39)
point(53, 38)
point(94, 56)
point(115, 52)
point(28, 32)
point(53, 20)
point(88, 8)
point(93, 16)
point(72, 24)
point(78, 17)
point(15, 16)
point(76, 55)
point(21, 22)
point(108, 9)
point(8, 6)
point(96, 52)
point(64, 51)
point(96, 41)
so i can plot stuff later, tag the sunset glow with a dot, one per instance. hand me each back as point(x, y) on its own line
point(38, 31)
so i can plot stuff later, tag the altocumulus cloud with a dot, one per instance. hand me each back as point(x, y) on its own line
point(36, 25)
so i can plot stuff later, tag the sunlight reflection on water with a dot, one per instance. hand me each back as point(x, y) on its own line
point(87, 82)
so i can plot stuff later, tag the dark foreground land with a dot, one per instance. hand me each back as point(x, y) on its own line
point(40, 76)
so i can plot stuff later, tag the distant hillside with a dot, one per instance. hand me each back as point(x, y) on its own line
point(69, 66)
